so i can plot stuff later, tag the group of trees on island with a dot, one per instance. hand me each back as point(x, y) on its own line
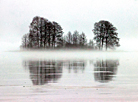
point(42, 33)
point(46, 34)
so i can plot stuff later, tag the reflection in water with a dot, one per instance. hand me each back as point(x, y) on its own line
point(104, 70)
point(76, 66)
point(42, 72)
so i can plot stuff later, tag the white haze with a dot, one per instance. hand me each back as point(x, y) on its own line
point(16, 15)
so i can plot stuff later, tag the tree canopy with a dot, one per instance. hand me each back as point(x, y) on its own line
point(42, 33)
point(105, 35)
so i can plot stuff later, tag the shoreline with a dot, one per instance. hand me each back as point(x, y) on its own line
point(66, 49)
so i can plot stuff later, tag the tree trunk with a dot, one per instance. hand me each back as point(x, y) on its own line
point(102, 42)
point(41, 35)
point(45, 37)
point(25, 42)
point(106, 43)
point(53, 42)
point(49, 38)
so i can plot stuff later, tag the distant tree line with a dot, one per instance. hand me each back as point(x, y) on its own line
point(75, 40)
point(46, 34)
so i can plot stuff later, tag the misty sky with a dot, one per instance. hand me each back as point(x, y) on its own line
point(16, 16)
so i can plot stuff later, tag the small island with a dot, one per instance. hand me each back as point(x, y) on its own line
point(44, 34)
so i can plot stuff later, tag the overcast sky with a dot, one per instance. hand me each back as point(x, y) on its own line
point(16, 15)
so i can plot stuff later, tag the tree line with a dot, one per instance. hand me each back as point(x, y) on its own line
point(46, 34)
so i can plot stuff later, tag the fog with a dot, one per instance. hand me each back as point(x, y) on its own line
point(16, 17)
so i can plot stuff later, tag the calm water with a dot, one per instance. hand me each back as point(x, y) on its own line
point(68, 76)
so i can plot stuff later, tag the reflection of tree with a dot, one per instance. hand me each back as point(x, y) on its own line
point(76, 66)
point(42, 72)
point(105, 70)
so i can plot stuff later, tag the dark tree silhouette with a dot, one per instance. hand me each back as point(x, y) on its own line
point(104, 70)
point(46, 34)
point(60, 42)
point(105, 34)
point(34, 28)
point(57, 35)
point(49, 28)
point(43, 33)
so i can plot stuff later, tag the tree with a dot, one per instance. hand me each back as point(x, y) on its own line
point(43, 33)
point(69, 38)
point(60, 42)
point(49, 29)
point(34, 29)
point(25, 41)
point(57, 34)
point(82, 39)
point(105, 34)
point(75, 38)
point(45, 37)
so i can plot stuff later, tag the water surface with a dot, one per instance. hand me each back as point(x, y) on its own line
point(68, 76)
